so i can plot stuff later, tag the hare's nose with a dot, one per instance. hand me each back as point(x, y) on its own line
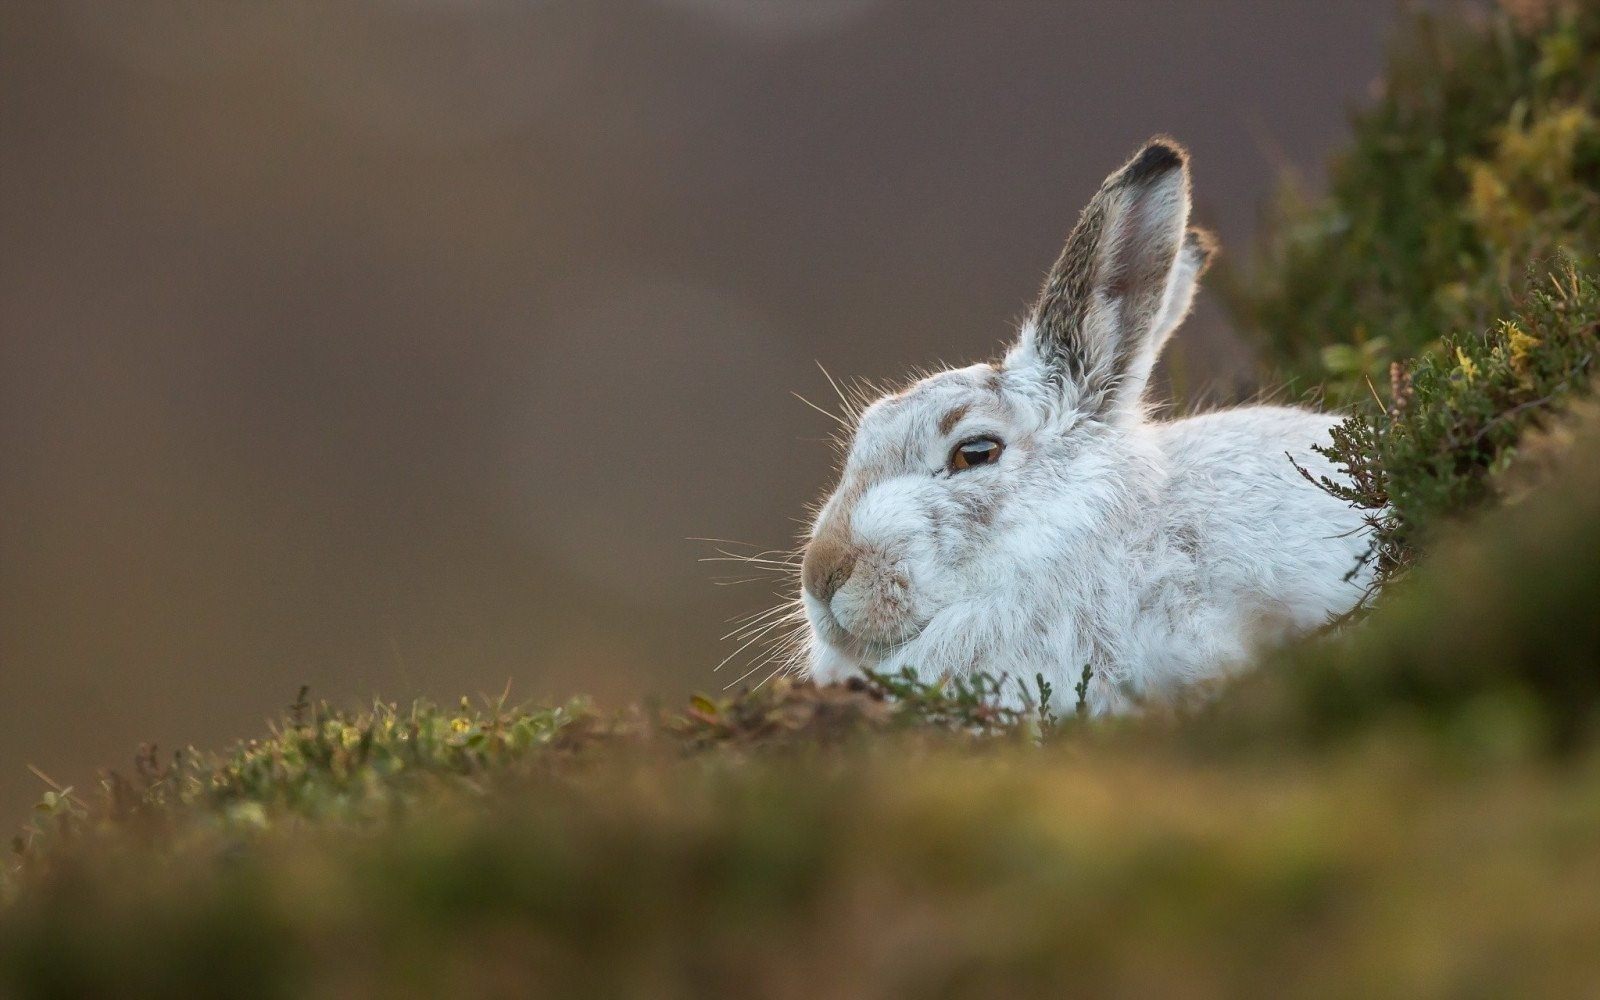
point(827, 565)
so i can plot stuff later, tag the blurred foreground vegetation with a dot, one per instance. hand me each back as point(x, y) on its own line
point(1408, 806)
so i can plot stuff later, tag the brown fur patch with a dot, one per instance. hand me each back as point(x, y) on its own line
point(828, 563)
point(830, 557)
point(948, 422)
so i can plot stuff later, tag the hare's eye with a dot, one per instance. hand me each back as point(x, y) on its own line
point(978, 451)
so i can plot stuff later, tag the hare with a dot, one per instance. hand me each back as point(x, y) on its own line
point(1029, 516)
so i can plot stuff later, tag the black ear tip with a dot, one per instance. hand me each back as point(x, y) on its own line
point(1159, 156)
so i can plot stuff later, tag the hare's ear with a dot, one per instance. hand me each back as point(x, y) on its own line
point(1199, 250)
point(1119, 286)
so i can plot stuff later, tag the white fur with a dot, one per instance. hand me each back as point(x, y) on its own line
point(1157, 553)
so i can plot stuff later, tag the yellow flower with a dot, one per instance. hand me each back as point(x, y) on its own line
point(1521, 344)
point(1468, 369)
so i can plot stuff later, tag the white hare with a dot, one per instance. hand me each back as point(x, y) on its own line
point(1029, 517)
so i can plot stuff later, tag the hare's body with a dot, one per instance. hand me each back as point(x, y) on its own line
point(1250, 551)
point(1027, 517)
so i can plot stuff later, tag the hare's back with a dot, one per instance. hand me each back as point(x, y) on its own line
point(1234, 478)
point(1248, 442)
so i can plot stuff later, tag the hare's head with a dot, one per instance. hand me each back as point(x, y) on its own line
point(954, 486)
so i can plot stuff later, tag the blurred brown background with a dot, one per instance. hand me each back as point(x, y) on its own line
point(399, 347)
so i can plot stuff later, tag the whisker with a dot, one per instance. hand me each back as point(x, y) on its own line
point(752, 561)
point(744, 676)
point(786, 565)
point(789, 644)
point(762, 682)
point(759, 614)
point(765, 628)
point(761, 621)
point(781, 632)
point(832, 382)
point(785, 649)
point(746, 644)
point(841, 421)
point(780, 641)
point(763, 554)
point(793, 660)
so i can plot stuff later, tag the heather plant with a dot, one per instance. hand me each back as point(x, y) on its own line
point(1442, 291)
point(1475, 165)
point(1454, 416)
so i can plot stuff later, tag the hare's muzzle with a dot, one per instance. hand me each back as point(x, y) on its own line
point(828, 563)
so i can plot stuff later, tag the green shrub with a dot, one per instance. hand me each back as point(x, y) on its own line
point(1477, 164)
point(1438, 292)
point(1454, 416)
